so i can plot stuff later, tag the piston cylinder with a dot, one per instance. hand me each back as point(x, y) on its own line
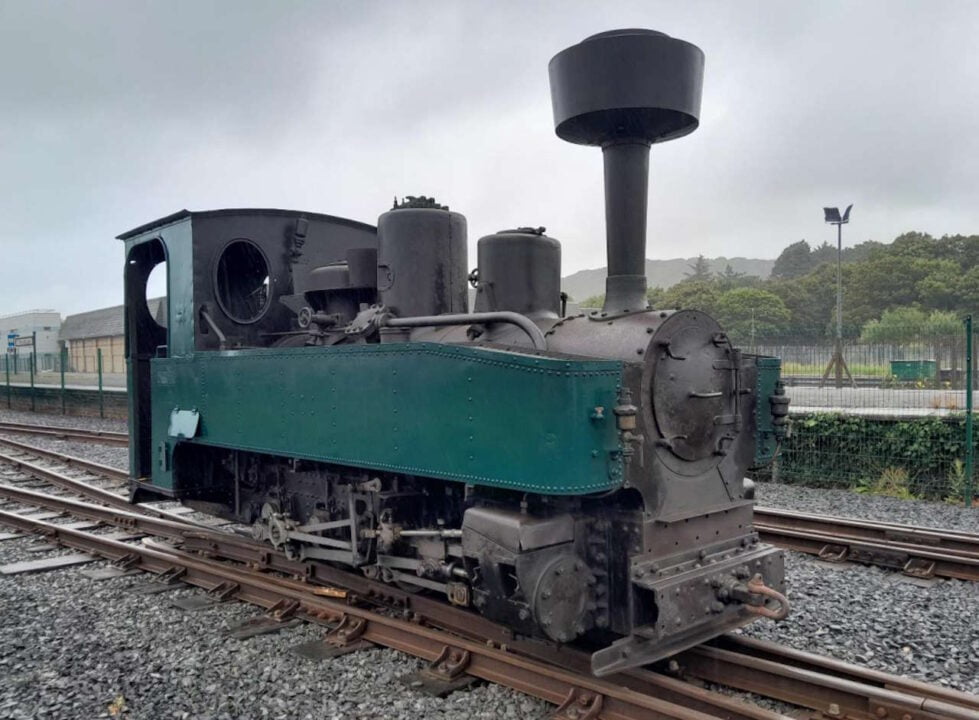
point(422, 260)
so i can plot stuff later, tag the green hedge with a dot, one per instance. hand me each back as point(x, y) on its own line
point(922, 457)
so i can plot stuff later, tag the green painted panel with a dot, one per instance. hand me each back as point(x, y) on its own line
point(467, 414)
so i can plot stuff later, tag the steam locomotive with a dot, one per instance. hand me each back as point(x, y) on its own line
point(571, 475)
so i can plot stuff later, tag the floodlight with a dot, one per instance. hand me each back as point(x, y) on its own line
point(832, 216)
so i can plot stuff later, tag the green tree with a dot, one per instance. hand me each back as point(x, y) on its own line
point(914, 245)
point(595, 301)
point(939, 289)
point(897, 325)
point(967, 290)
point(750, 313)
point(860, 251)
point(811, 300)
point(692, 295)
point(699, 271)
point(887, 281)
point(729, 279)
point(824, 253)
point(794, 261)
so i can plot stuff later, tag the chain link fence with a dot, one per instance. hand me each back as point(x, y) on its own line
point(882, 411)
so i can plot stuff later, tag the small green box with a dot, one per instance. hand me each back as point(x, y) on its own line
point(914, 370)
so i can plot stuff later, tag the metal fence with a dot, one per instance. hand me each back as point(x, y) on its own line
point(894, 418)
point(50, 370)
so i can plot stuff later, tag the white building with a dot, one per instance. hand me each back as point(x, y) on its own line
point(47, 325)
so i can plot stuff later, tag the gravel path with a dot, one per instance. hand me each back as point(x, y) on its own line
point(69, 646)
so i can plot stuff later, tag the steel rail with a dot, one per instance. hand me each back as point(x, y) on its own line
point(92, 492)
point(67, 433)
point(124, 519)
point(919, 552)
point(70, 460)
point(592, 697)
point(935, 538)
point(818, 683)
point(844, 690)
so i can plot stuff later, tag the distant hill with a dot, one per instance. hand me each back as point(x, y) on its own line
point(661, 273)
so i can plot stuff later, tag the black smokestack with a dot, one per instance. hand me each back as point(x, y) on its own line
point(624, 90)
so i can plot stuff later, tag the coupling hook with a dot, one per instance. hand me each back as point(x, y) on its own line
point(757, 586)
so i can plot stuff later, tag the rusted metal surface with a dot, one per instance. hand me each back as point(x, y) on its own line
point(918, 552)
point(65, 433)
point(829, 686)
point(69, 460)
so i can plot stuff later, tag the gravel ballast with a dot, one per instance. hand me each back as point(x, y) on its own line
point(70, 647)
point(847, 503)
point(81, 423)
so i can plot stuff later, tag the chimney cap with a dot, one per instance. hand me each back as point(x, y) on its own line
point(629, 84)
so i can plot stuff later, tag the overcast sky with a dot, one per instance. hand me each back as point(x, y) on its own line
point(116, 113)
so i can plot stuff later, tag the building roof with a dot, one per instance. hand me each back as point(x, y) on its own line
point(28, 313)
point(107, 322)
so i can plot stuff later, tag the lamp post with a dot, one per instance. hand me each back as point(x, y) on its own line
point(837, 363)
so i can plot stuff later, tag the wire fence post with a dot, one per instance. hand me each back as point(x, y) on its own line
point(33, 370)
point(30, 368)
point(6, 368)
point(969, 450)
point(98, 354)
point(64, 356)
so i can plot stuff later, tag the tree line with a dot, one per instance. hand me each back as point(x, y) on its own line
point(922, 284)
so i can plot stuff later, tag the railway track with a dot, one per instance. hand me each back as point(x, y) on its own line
point(458, 642)
point(65, 433)
point(916, 551)
point(82, 488)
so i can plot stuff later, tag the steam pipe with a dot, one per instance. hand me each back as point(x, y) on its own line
point(502, 316)
point(626, 199)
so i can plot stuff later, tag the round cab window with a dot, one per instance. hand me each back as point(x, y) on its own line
point(242, 281)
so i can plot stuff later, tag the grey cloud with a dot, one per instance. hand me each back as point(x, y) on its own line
point(113, 113)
